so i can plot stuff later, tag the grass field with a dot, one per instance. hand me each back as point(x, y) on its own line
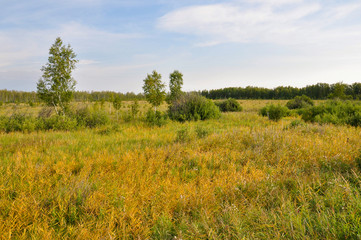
point(238, 177)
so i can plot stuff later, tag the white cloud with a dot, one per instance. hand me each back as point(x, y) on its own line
point(278, 21)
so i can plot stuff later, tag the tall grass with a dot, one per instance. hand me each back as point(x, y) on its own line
point(241, 176)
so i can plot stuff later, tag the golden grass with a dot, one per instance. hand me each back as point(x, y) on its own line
point(246, 178)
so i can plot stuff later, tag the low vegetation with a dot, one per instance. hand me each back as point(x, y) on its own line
point(274, 112)
point(334, 112)
point(240, 176)
point(193, 107)
point(300, 102)
point(229, 105)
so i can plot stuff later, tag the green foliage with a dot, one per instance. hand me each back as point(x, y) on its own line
point(154, 89)
point(88, 118)
point(335, 112)
point(274, 112)
point(175, 85)
point(59, 123)
point(134, 108)
point(193, 107)
point(31, 104)
point(183, 135)
point(19, 122)
point(156, 118)
point(294, 124)
point(338, 91)
point(229, 105)
point(23, 123)
point(300, 102)
point(202, 131)
point(117, 103)
point(56, 85)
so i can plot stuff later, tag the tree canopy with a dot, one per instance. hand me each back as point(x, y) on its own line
point(175, 85)
point(154, 89)
point(56, 86)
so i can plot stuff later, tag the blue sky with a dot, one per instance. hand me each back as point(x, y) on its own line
point(215, 44)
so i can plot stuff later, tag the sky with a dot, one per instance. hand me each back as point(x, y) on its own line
point(214, 43)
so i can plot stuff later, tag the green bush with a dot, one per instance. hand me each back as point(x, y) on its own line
point(15, 123)
point(193, 107)
point(88, 118)
point(299, 102)
point(46, 121)
point(229, 105)
point(58, 122)
point(18, 123)
point(156, 118)
point(334, 112)
point(355, 119)
point(274, 112)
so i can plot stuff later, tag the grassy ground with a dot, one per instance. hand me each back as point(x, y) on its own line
point(239, 177)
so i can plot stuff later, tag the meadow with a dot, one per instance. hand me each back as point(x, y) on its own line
point(238, 177)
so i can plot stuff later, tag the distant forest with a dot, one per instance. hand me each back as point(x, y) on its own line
point(11, 96)
point(317, 91)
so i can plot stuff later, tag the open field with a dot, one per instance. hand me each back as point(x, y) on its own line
point(238, 177)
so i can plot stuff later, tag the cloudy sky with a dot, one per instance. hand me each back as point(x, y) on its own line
point(214, 43)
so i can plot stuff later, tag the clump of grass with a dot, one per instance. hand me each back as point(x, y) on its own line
point(183, 135)
point(202, 131)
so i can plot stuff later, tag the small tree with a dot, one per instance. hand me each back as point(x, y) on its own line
point(56, 85)
point(175, 85)
point(154, 89)
point(117, 103)
point(135, 108)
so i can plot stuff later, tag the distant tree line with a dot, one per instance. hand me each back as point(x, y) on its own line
point(317, 91)
point(12, 96)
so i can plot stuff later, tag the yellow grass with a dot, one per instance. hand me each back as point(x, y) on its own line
point(248, 178)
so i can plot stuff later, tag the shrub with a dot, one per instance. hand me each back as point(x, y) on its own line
point(134, 108)
point(31, 104)
point(91, 119)
point(183, 135)
point(155, 118)
point(18, 123)
point(229, 105)
point(97, 118)
point(58, 122)
point(334, 112)
point(193, 107)
point(3, 121)
point(355, 120)
point(202, 132)
point(299, 102)
point(14, 123)
point(274, 112)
